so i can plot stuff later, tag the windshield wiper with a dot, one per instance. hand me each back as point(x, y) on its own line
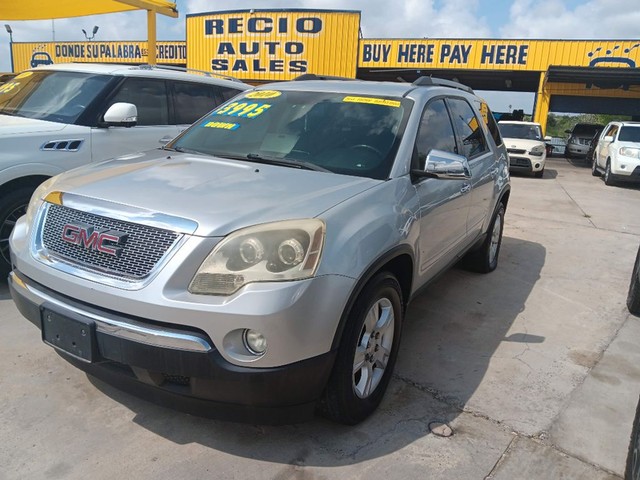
point(285, 162)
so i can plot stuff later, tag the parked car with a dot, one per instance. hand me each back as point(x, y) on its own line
point(632, 469)
point(526, 147)
point(592, 148)
point(555, 146)
point(617, 155)
point(580, 138)
point(62, 116)
point(261, 263)
point(633, 298)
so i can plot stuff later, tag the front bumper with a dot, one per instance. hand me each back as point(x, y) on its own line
point(526, 163)
point(629, 174)
point(577, 149)
point(179, 367)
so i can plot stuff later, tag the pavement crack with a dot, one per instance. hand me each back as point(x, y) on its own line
point(584, 214)
point(502, 458)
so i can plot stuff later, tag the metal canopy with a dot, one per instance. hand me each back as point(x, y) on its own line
point(50, 9)
point(602, 77)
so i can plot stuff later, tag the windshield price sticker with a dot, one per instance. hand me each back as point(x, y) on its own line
point(24, 75)
point(222, 125)
point(7, 87)
point(243, 110)
point(263, 94)
point(372, 101)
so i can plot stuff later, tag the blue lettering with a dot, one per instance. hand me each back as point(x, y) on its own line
point(254, 27)
point(226, 48)
point(488, 53)
point(293, 48)
point(235, 25)
point(219, 64)
point(445, 52)
point(309, 25)
point(214, 27)
point(245, 51)
point(522, 56)
point(276, 66)
point(298, 66)
point(240, 65)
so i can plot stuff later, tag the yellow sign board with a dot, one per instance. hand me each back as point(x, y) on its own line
point(266, 45)
point(489, 54)
point(30, 55)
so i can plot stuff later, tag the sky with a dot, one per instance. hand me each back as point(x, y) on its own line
point(525, 19)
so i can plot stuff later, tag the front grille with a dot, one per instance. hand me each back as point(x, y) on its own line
point(516, 150)
point(584, 141)
point(144, 248)
point(519, 162)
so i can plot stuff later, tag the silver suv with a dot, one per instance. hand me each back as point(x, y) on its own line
point(259, 266)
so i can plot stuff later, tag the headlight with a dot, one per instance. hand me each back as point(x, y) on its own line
point(538, 150)
point(630, 152)
point(273, 252)
point(36, 200)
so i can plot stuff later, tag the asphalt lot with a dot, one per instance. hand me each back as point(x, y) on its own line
point(536, 367)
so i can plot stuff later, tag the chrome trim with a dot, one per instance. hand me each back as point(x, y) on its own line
point(128, 213)
point(56, 143)
point(129, 330)
point(40, 253)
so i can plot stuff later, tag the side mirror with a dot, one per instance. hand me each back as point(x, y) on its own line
point(121, 115)
point(608, 138)
point(445, 166)
point(568, 131)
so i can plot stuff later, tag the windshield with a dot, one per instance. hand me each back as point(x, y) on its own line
point(347, 134)
point(629, 134)
point(528, 132)
point(586, 130)
point(54, 96)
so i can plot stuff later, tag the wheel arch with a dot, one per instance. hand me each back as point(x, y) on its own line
point(399, 261)
point(20, 182)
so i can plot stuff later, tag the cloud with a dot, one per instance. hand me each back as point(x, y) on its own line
point(595, 19)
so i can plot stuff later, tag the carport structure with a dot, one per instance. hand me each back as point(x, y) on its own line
point(52, 9)
point(578, 76)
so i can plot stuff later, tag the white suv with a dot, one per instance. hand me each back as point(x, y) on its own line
point(617, 154)
point(526, 147)
point(62, 116)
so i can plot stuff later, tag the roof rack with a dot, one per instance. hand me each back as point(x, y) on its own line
point(427, 81)
point(146, 66)
point(313, 76)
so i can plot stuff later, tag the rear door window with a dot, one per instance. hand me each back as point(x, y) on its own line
point(193, 100)
point(468, 127)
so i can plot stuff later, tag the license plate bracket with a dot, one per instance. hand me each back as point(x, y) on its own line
point(70, 333)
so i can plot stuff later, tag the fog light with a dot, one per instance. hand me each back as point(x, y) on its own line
point(537, 165)
point(254, 342)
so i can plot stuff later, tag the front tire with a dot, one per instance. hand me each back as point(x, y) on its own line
point(594, 167)
point(367, 352)
point(12, 206)
point(608, 176)
point(633, 298)
point(539, 174)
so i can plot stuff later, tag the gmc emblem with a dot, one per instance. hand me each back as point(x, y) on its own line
point(110, 242)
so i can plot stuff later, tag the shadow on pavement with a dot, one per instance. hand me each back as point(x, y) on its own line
point(451, 332)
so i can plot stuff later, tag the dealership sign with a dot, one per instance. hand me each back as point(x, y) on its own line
point(31, 55)
point(274, 45)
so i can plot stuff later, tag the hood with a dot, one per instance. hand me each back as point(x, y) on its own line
point(521, 143)
point(21, 125)
point(220, 195)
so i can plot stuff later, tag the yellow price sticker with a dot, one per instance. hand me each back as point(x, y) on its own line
point(372, 101)
point(7, 87)
point(222, 125)
point(24, 75)
point(263, 94)
point(243, 109)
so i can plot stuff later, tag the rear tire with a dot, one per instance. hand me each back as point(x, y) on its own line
point(367, 352)
point(12, 206)
point(485, 259)
point(633, 298)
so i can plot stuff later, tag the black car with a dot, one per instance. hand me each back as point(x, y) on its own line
point(633, 298)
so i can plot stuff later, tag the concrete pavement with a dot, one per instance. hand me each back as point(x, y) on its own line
point(535, 366)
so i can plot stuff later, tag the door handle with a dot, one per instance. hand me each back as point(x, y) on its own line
point(165, 139)
point(466, 188)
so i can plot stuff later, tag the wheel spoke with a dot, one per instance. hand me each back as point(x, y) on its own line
point(386, 319)
point(371, 319)
point(359, 359)
point(366, 389)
